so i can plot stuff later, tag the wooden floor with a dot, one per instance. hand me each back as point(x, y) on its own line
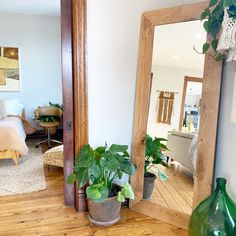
point(44, 213)
point(177, 192)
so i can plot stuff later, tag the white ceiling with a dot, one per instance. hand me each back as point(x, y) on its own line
point(173, 45)
point(35, 7)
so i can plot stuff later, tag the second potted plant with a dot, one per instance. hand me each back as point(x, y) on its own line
point(153, 157)
point(99, 168)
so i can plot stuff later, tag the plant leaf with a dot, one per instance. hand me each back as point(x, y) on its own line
point(100, 149)
point(103, 162)
point(120, 197)
point(118, 148)
point(227, 3)
point(162, 175)
point(212, 3)
point(86, 160)
point(214, 44)
point(82, 176)
point(219, 57)
point(96, 170)
point(104, 194)
point(93, 192)
point(163, 146)
point(113, 164)
point(203, 15)
point(205, 47)
point(120, 174)
point(127, 191)
point(71, 179)
point(127, 167)
point(206, 26)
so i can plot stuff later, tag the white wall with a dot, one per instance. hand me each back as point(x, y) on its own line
point(113, 36)
point(167, 79)
point(38, 38)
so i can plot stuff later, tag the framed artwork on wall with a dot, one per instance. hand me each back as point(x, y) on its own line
point(9, 69)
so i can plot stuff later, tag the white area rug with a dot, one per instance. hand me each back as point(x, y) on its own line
point(27, 177)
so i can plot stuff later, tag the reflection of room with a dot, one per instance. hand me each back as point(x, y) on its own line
point(174, 109)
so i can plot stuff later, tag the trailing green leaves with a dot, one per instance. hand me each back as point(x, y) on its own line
point(213, 17)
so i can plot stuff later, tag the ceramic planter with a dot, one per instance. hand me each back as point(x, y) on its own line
point(106, 213)
point(149, 181)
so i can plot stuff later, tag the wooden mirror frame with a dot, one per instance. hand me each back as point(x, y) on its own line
point(208, 123)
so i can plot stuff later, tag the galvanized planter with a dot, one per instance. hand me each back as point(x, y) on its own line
point(148, 185)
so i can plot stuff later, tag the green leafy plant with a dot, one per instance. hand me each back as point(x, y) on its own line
point(49, 118)
point(100, 167)
point(213, 17)
point(154, 155)
point(57, 105)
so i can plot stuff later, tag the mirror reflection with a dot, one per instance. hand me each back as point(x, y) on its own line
point(174, 115)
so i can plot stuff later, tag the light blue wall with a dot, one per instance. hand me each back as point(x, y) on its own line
point(226, 145)
point(38, 38)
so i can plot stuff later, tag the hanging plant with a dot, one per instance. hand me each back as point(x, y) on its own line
point(220, 22)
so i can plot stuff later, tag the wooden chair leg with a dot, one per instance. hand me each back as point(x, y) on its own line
point(15, 159)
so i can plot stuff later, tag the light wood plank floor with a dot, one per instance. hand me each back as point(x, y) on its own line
point(44, 213)
point(177, 192)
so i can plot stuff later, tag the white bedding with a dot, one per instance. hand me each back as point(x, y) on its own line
point(12, 135)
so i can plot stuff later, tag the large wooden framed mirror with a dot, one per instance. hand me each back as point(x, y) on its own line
point(166, 57)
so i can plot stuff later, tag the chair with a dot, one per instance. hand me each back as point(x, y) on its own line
point(48, 118)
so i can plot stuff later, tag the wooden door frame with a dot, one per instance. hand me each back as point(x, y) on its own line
point(208, 122)
point(186, 80)
point(75, 96)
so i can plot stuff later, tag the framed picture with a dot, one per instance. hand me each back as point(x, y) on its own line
point(9, 69)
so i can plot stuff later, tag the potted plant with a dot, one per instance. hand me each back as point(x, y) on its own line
point(153, 157)
point(99, 168)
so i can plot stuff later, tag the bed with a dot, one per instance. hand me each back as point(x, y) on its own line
point(12, 139)
point(13, 130)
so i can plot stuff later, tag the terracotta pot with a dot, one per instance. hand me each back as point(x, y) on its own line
point(106, 213)
point(149, 181)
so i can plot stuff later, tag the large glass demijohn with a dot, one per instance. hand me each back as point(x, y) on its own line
point(215, 216)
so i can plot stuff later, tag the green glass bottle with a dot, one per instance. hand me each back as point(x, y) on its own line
point(215, 216)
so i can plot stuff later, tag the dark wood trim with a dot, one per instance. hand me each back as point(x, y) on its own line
point(186, 80)
point(80, 87)
point(68, 100)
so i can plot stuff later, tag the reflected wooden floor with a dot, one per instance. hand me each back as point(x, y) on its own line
point(177, 192)
point(44, 213)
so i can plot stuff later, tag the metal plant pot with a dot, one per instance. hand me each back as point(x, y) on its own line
point(106, 213)
point(149, 180)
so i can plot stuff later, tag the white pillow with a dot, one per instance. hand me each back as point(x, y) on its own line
point(11, 107)
point(2, 110)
